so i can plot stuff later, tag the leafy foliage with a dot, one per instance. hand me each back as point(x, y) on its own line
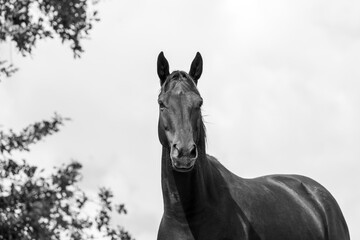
point(6, 69)
point(35, 206)
point(26, 21)
point(29, 135)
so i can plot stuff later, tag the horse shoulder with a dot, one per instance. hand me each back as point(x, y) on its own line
point(237, 225)
point(322, 201)
point(316, 203)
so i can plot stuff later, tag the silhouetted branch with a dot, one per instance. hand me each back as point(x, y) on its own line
point(37, 207)
point(26, 22)
point(6, 70)
point(33, 133)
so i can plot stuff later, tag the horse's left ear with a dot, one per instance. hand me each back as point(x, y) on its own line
point(162, 68)
point(196, 67)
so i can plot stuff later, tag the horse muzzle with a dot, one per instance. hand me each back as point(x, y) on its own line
point(183, 165)
point(183, 159)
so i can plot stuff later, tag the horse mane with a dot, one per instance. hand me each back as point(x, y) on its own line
point(202, 137)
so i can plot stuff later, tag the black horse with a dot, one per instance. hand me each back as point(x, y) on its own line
point(204, 200)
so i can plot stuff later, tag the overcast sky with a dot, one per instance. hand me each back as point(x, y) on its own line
point(280, 86)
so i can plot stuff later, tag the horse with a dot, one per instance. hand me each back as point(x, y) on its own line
point(205, 201)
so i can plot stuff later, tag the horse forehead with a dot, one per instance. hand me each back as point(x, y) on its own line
point(182, 98)
point(180, 89)
point(179, 101)
point(180, 92)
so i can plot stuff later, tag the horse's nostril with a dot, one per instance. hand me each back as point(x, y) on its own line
point(176, 151)
point(193, 152)
point(180, 152)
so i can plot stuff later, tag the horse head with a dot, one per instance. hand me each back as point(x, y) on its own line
point(181, 128)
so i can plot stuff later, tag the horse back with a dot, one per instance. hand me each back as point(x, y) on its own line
point(286, 206)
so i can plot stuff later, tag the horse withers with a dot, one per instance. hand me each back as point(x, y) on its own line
point(203, 200)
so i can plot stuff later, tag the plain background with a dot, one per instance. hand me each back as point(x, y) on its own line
point(280, 88)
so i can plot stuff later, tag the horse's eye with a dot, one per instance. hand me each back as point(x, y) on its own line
point(200, 103)
point(161, 105)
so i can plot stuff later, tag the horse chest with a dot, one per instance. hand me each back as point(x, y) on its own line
point(210, 225)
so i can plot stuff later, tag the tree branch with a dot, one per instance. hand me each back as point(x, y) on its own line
point(29, 135)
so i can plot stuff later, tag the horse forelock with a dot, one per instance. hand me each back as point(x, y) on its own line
point(179, 79)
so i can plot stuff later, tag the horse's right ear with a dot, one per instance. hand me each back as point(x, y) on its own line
point(162, 68)
point(196, 67)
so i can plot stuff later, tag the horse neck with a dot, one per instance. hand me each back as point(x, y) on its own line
point(187, 192)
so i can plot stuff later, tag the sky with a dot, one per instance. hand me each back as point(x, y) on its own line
point(280, 86)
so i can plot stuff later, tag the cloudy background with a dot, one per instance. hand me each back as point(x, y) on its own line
point(280, 88)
